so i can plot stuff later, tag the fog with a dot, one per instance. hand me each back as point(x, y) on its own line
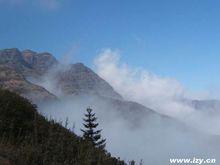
point(155, 140)
point(164, 95)
point(187, 133)
point(161, 94)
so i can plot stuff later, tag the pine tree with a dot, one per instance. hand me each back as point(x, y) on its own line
point(90, 133)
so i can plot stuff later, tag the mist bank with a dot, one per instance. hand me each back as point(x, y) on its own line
point(154, 139)
point(164, 95)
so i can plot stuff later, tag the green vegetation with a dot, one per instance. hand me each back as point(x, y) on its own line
point(90, 134)
point(28, 138)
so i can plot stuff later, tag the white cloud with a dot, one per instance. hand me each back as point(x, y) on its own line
point(162, 94)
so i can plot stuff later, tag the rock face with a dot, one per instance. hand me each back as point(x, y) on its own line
point(28, 56)
point(14, 59)
point(79, 79)
point(14, 81)
point(28, 62)
point(15, 66)
point(39, 62)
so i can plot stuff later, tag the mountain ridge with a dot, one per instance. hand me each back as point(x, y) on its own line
point(74, 79)
point(78, 77)
point(19, 67)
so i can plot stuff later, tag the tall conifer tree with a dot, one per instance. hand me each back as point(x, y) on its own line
point(90, 133)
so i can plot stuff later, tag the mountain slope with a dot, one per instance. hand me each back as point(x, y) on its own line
point(16, 66)
point(39, 77)
point(209, 107)
point(13, 58)
point(28, 138)
point(40, 63)
point(79, 79)
point(74, 79)
point(27, 62)
point(14, 81)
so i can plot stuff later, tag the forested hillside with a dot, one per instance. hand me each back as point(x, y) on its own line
point(28, 138)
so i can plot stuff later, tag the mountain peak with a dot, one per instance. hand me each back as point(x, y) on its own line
point(29, 51)
point(13, 58)
point(75, 79)
point(78, 78)
point(42, 62)
point(28, 56)
point(10, 52)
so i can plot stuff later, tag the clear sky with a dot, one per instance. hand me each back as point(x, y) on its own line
point(172, 38)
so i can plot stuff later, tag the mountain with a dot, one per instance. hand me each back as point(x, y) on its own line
point(40, 77)
point(40, 63)
point(72, 88)
point(14, 71)
point(211, 107)
point(13, 58)
point(27, 62)
point(78, 79)
point(28, 65)
point(14, 81)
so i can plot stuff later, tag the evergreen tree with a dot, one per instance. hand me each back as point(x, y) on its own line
point(132, 162)
point(90, 133)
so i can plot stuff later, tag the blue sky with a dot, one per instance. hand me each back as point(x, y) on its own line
point(172, 38)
